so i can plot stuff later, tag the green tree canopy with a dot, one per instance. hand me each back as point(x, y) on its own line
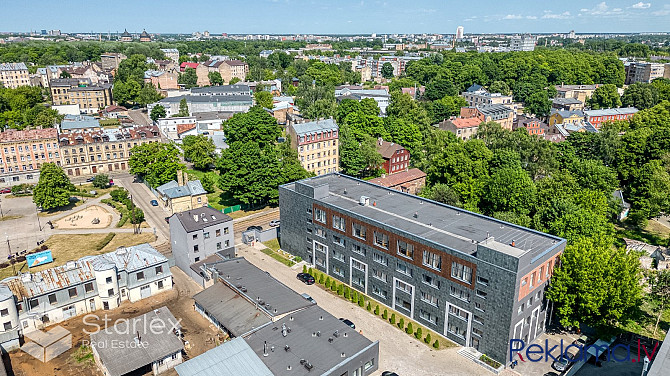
point(387, 70)
point(157, 112)
point(156, 162)
point(263, 99)
point(189, 78)
point(605, 96)
point(214, 78)
point(199, 150)
point(53, 189)
point(640, 96)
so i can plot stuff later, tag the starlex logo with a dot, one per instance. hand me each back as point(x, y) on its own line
point(538, 353)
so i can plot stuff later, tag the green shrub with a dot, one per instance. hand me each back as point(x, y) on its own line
point(327, 283)
point(427, 339)
point(436, 344)
point(321, 279)
point(409, 329)
point(377, 310)
point(401, 323)
point(354, 296)
point(418, 334)
point(392, 318)
point(347, 293)
point(333, 286)
point(369, 307)
point(310, 271)
point(119, 194)
point(297, 259)
point(304, 268)
point(361, 301)
point(105, 241)
point(340, 290)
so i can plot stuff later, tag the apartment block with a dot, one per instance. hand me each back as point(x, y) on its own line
point(22, 153)
point(91, 98)
point(396, 158)
point(34, 300)
point(317, 145)
point(476, 95)
point(205, 103)
point(597, 117)
point(579, 92)
point(643, 72)
point(502, 115)
point(13, 75)
point(475, 280)
point(112, 60)
point(171, 53)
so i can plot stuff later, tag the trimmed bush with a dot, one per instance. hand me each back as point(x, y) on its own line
point(310, 271)
point(361, 301)
point(321, 279)
point(427, 339)
point(369, 307)
point(392, 318)
point(436, 344)
point(333, 286)
point(340, 290)
point(354, 296)
point(297, 259)
point(409, 329)
point(105, 241)
point(377, 310)
point(304, 268)
point(401, 323)
point(347, 293)
point(418, 334)
point(385, 315)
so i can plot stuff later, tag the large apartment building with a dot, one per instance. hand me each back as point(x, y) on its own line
point(477, 95)
point(34, 300)
point(317, 145)
point(13, 75)
point(643, 72)
point(475, 280)
point(22, 153)
point(90, 98)
point(598, 117)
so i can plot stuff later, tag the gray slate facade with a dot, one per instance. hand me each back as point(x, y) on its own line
point(476, 280)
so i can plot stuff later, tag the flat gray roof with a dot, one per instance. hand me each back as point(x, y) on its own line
point(661, 363)
point(119, 349)
point(235, 313)
point(234, 357)
point(307, 336)
point(241, 275)
point(445, 225)
point(201, 218)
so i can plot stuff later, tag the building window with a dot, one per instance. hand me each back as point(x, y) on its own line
point(380, 275)
point(34, 303)
point(358, 281)
point(461, 314)
point(402, 286)
point(338, 255)
point(480, 294)
point(7, 326)
point(338, 223)
point(140, 276)
point(358, 249)
point(218, 232)
point(52, 299)
point(72, 292)
point(195, 248)
point(482, 281)
point(4, 312)
point(427, 316)
point(402, 268)
point(478, 319)
point(320, 215)
point(358, 230)
point(368, 364)
point(477, 331)
point(320, 232)
point(532, 280)
point(406, 250)
point(381, 240)
point(197, 259)
point(379, 292)
point(160, 285)
point(461, 272)
point(206, 235)
point(218, 246)
point(379, 258)
point(428, 298)
point(338, 240)
point(431, 281)
point(159, 269)
point(110, 292)
point(432, 260)
point(337, 270)
point(357, 265)
point(459, 293)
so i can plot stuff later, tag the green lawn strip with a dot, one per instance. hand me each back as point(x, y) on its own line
point(278, 257)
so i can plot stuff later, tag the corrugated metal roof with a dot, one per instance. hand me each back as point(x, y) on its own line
point(231, 358)
point(172, 190)
point(611, 111)
point(314, 126)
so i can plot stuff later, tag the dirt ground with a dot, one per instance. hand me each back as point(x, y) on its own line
point(84, 219)
point(200, 334)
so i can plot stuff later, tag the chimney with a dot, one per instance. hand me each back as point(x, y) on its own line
point(380, 140)
point(185, 177)
point(180, 178)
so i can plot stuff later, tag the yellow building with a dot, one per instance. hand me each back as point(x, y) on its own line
point(317, 145)
point(13, 75)
point(90, 98)
point(565, 117)
point(182, 195)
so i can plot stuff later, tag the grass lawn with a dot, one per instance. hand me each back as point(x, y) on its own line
point(655, 233)
point(65, 248)
point(644, 325)
point(10, 217)
point(272, 244)
point(278, 257)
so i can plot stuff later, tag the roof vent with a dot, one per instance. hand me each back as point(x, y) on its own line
point(70, 265)
point(416, 214)
point(308, 365)
point(290, 318)
point(345, 191)
point(330, 339)
point(195, 217)
point(313, 334)
point(288, 368)
point(336, 334)
point(320, 318)
point(284, 331)
point(243, 289)
point(287, 348)
point(343, 355)
point(364, 200)
point(346, 334)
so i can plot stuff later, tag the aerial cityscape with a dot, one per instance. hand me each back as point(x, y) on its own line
point(355, 188)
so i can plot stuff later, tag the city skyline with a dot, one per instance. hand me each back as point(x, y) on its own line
point(346, 17)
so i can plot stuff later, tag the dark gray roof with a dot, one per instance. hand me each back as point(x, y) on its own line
point(219, 115)
point(661, 363)
point(205, 215)
point(473, 88)
point(564, 101)
point(208, 98)
point(278, 299)
point(302, 342)
point(234, 357)
point(158, 341)
point(444, 225)
point(236, 314)
point(494, 109)
point(314, 127)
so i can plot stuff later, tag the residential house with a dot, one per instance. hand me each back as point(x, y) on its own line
point(317, 145)
point(474, 279)
point(197, 234)
point(228, 69)
point(532, 124)
point(200, 70)
point(13, 75)
point(502, 115)
point(162, 80)
point(181, 195)
point(463, 128)
point(357, 93)
point(22, 153)
point(565, 117)
point(410, 181)
point(567, 104)
point(115, 112)
point(172, 54)
point(477, 95)
point(396, 158)
point(90, 98)
point(579, 92)
point(598, 117)
point(111, 60)
point(42, 298)
point(146, 343)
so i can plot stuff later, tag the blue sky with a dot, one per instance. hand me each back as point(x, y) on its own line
point(336, 16)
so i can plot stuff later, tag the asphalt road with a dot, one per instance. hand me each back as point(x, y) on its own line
point(153, 215)
point(139, 117)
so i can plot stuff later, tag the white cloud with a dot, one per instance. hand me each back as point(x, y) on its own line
point(641, 5)
point(556, 16)
point(531, 17)
point(513, 17)
point(602, 9)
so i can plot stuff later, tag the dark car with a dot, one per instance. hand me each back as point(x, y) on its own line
point(389, 373)
point(5, 190)
point(274, 223)
point(348, 322)
point(90, 179)
point(257, 228)
point(167, 220)
point(154, 203)
point(306, 278)
point(561, 364)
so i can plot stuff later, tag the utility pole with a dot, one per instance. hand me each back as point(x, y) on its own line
point(38, 218)
point(1, 214)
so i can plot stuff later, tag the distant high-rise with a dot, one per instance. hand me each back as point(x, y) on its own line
point(525, 42)
point(571, 35)
point(459, 32)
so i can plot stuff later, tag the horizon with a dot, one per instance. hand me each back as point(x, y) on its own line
point(348, 17)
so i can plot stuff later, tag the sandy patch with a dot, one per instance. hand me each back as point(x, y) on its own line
point(85, 219)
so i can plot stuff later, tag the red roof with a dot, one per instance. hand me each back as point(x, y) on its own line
point(399, 178)
point(186, 64)
point(387, 149)
point(181, 128)
point(466, 123)
point(28, 135)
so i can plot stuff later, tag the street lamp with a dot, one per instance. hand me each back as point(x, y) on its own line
point(38, 218)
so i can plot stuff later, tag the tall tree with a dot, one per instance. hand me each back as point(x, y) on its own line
point(263, 99)
point(605, 96)
point(53, 189)
point(199, 150)
point(351, 160)
point(183, 108)
point(156, 162)
point(659, 281)
point(640, 96)
point(538, 104)
point(499, 87)
point(215, 78)
point(387, 70)
point(157, 112)
point(189, 78)
point(256, 126)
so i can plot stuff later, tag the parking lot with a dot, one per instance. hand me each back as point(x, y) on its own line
point(398, 352)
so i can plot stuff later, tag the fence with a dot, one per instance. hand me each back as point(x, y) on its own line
point(231, 209)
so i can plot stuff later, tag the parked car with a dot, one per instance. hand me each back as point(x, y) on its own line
point(154, 203)
point(111, 182)
point(274, 223)
point(306, 278)
point(257, 228)
point(306, 296)
point(90, 179)
point(561, 364)
point(348, 322)
point(389, 373)
point(5, 190)
point(581, 341)
point(167, 220)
